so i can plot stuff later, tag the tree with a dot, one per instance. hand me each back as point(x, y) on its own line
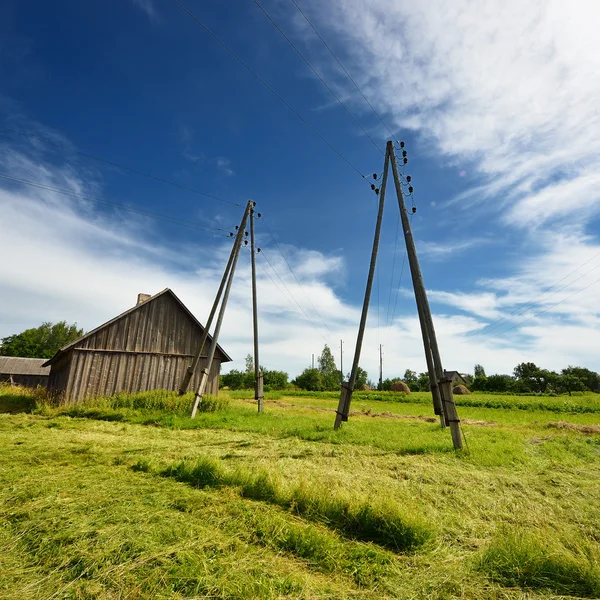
point(275, 380)
point(478, 371)
point(40, 342)
point(498, 383)
point(569, 383)
point(249, 363)
point(410, 377)
point(423, 382)
point(479, 384)
point(361, 378)
point(590, 379)
point(525, 370)
point(330, 376)
point(234, 379)
point(310, 379)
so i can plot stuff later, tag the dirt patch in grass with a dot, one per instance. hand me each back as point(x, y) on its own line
point(592, 429)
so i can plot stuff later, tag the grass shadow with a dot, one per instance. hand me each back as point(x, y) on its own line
point(13, 403)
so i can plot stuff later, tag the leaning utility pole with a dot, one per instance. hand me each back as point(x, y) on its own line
point(346, 393)
point(258, 376)
point(189, 372)
point(213, 346)
point(444, 384)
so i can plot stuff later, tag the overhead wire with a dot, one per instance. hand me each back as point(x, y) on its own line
point(291, 296)
point(387, 316)
point(294, 275)
point(186, 10)
point(340, 102)
point(124, 207)
point(118, 165)
point(545, 310)
point(343, 68)
point(532, 303)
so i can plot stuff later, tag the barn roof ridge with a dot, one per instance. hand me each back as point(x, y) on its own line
point(127, 312)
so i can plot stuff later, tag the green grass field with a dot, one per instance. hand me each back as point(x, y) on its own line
point(127, 497)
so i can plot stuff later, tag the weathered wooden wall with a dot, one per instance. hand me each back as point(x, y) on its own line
point(31, 381)
point(146, 349)
point(101, 373)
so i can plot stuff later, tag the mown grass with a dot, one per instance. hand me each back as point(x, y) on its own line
point(518, 558)
point(142, 502)
point(374, 520)
point(581, 403)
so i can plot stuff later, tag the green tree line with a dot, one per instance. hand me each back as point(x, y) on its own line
point(40, 342)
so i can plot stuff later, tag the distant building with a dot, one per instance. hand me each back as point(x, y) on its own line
point(145, 348)
point(27, 372)
point(457, 378)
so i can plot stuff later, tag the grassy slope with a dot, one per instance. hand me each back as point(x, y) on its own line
point(93, 508)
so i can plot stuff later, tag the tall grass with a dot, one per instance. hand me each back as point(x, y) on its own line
point(517, 558)
point(378, 522)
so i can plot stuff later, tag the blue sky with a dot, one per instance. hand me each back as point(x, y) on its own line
point(500, 123)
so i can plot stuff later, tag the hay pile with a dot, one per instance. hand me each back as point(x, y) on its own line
point(460, 390)
point(365, 388)
point(400, 386)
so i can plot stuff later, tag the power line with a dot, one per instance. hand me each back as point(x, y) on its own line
point(276, 94)
point(545, 310)
point(146, 213)
point(532, 304)
point(317, 74)
point(290, 295)
point(387, 316)
point(118, 165)
point(343, 68)
point(294, 275)
point(400, 279)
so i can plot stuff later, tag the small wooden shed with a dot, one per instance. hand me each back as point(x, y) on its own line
point(27, 372)
point(145, 348)
point(457, 378)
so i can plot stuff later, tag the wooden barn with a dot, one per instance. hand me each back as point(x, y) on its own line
point(147, 347)
point(27, 372)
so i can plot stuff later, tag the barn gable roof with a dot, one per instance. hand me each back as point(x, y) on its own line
point(15, 365)
point(128, 312)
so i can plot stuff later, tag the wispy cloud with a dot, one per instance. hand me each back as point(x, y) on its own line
point(148, 7)
point(440, 251)
point(518, 101)
point(224, 165)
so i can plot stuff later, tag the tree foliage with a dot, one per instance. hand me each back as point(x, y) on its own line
point(410, 376)
point(310, 379)
point(478, 371)
point(362, 377)
point(330, 376)
point(40, 342)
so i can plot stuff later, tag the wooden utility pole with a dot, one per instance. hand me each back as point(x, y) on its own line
point(313, 361)
point(347, 388)
point(380, 367)
point(213, 345)
point(258, 376)
point(444, 384)
point(189, 372)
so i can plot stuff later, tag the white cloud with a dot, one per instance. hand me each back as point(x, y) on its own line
point(510, 86)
